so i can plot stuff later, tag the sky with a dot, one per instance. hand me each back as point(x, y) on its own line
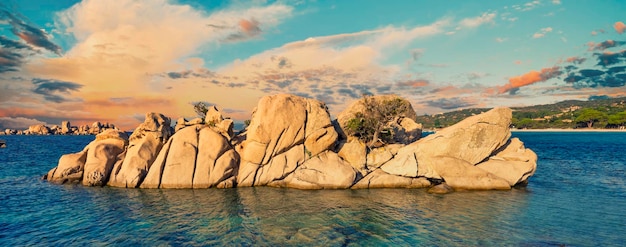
point(114, 61)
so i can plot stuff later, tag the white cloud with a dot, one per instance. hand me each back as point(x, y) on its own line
point(334, 68)
point(531, 5)
point(542, 32)
point(500, 40)
point(123, 43)
point(126, 40)
point(479, 20)
point(556, 2)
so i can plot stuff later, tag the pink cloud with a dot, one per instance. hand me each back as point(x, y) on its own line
point(530, 78)
point(576, 60)
point(620, 27)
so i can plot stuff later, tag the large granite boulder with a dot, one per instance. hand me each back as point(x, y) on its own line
point(462, 175)
point(355, 153)
point(473, 140)
point(514, 163)
point(38, 129)
point(324, 171)
point(144, 145)
point(102, 154)
point(450, 150)
point(69, 169)
point(92, 166)
point(380, 179)
point(194, 157)
point(65, 128)
point(283, 132)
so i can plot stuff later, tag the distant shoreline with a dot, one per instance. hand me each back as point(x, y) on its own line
point(554, 130)
point(568, 130)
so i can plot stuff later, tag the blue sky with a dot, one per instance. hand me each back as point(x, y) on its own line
point(115, 60)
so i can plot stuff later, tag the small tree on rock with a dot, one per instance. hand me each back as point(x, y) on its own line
point(201, 108)
point(371, 125)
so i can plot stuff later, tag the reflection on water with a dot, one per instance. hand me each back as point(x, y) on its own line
point(271, 216)
point(577, 197)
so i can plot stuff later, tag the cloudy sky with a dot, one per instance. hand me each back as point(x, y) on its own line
point(113, 61)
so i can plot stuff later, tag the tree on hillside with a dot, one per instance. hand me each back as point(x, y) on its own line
point(369, 125)
point(618, 119)
point(201, 108)
point(589, 116)
point(524, 123)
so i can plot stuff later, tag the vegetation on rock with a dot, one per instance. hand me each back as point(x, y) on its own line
point(201, 108)
point(371, 125)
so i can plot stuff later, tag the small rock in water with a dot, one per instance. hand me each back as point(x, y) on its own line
point(442, 188)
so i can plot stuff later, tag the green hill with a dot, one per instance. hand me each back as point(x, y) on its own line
point(595, 113)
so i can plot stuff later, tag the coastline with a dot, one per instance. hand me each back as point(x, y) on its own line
point(568, 130)
point(550, 130)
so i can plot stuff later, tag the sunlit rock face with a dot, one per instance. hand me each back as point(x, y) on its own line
point(144, 145)
point(291, 142)
point(285, 130)
point(93, 165)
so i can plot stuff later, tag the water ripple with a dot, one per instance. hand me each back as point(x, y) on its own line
point(576, 198)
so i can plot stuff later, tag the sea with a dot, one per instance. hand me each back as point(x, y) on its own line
point(577, 197)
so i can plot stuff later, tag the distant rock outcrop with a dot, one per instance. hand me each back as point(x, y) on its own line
point(64, 129)
point(291, 142)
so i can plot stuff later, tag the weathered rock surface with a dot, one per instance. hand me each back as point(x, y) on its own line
point(380, 179)
point(514, 163)
point(291, 142)
point(102, 154)
point(355, 153)
point(70, 168)
point(194, 157)
point(66, 128)
point(38, 129)
point(462, 175)
point(473, 139)
point(324, 171)
point(406, 130)
point(279, 126)
point(379, 156)
point(144, 145)
point(92, 166)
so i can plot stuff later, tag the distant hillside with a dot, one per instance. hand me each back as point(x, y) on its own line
point(601, 112)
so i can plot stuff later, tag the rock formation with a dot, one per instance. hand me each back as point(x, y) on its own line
point(92, 166)
point(144, 145)
point(64, 129)
point(292, 142)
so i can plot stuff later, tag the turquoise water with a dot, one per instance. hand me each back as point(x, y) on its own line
point(576, 198)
